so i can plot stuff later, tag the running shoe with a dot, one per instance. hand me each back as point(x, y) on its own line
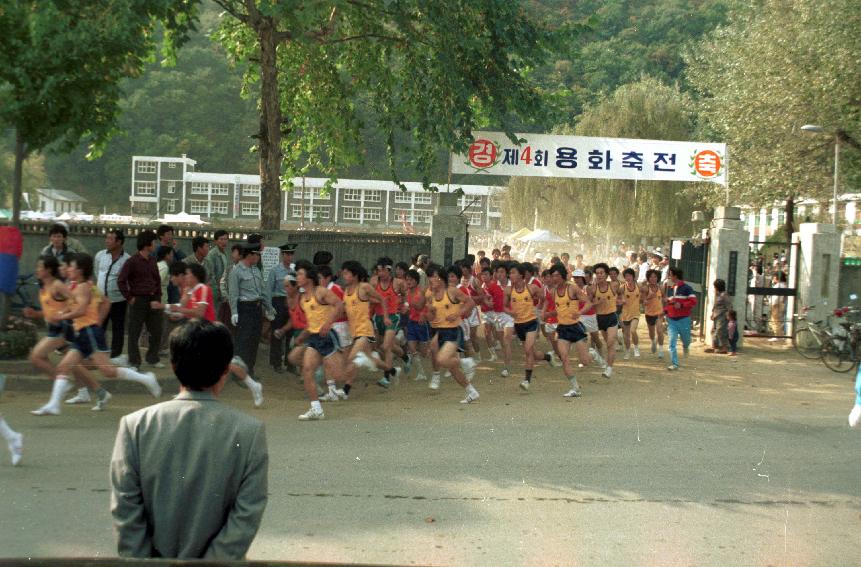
point(329, 396)
point(470, 397)
point(855, 416)
point(256, 393)
point(524, 385)
point(312, 415)
point(157, 365)
point(434, 382)
point(636, 352)
point(121, 360)
point(505, 373)
point(672, 367)
point(408, 364)
point(627, 355)
point(608, 372)
point(16, 448)
point(152, 385)
point(654, 346)
point(82, 397)
point(572, 393)
point(420, 376)
point(661, 354)
point(342, 395)
point(383, 382)
point(492, 357)
point(102, 402)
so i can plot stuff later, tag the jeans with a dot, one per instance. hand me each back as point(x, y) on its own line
point(140, 314)
point(858, 387)
point(117, 317)
point(678, 328)
point(733, 343)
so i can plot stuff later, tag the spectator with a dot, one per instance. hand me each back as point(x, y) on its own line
point(199, 250)
point(164, 258)
point(203, 497)
point(722, 305)
point(109, 262)
point(216, 263)
point(246, 304)
point(778, 306)
point(140, 284)
point(58, 248)
point(224, 283)
point(165, 238)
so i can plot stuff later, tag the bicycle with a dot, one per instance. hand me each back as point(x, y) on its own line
point(842, 352)
point(809, 339)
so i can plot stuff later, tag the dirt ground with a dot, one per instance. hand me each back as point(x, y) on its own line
point(745, 461)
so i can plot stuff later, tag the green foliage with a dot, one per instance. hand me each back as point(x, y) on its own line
point(613, 208)
point(17, 337)
point(776, 66)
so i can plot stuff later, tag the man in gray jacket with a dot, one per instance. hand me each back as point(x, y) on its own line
point(189, 476)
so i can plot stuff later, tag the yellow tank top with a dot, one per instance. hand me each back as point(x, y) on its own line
point(605, 301)
point(522, 306)
point(358, 315)
point(316, 313)
point(91, 315)
point(654, 306)
point(50, 305)
point(567, 309)
point(631, 305)
point(442, 309)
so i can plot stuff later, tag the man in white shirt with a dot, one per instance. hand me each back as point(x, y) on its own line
point(108, 263)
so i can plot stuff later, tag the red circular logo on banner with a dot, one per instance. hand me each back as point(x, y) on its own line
point(482, 154)
point(707, 164)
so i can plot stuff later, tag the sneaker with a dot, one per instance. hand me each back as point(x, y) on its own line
point(672, 367)
point(396, 377)
point(654, 346)
point(492, 357)
point(329, 396)
point(524, 385)
point(102, 402)
point(773, 340)
point(383, 382)
point(363, 361)
point(408, 364)
point(469, 398)
point(420, 376)
point(434, 382)
point(16, 448)
point(468, 365)
point(82, 397)
point(311, 415)
point(554, 360)
point(608, 372)
point(505, 373)
point(121, 360)
point(572, 393)
point(661, 354)
point(158, 364)
point(152, 385)
point(47, 409)
point(342, 395)
point(447, 374)
point(855, 416)
point(596, 356)
point(636, 352)
point(627, 355)
point(497, 346)
point(257, 393)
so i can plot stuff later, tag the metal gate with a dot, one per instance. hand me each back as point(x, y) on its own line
point(694, 264)
point(771, 289)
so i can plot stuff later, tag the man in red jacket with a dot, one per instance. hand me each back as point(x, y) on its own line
point(680, 302)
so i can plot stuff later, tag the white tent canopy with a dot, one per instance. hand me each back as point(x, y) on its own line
point(542, 236)
point(182, 218)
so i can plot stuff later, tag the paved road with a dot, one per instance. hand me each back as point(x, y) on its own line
point(746, 462)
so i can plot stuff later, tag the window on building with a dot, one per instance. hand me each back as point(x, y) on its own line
point(250, 208)
point(146, 166)
point(199, 188)
point(420, 216)
point(403, 197)
point(373, 214)
point(316, 212)
point(494, 205)
point(198, 207)
point(250, 190)
point(221, 188)
point(171, 164)
point(373, 196)
point(351, 213)
point(352, 194)
point(144, 187)
point(170, 205)
point(219, 207)
point(424, 198)
point(171, 187)
point(309, 193)
point(474, 219)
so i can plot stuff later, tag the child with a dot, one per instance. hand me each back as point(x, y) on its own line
point(732, 331)
point(855, 414)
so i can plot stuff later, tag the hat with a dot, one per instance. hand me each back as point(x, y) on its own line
point(249, 248)
point(578, 274)
point(539, 256)
point(287, 248)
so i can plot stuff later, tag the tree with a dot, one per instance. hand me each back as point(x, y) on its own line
point(61, 64)
point(775, 67)
point(617, 209)
point(435, 70)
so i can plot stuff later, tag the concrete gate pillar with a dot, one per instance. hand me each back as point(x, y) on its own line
point(448, 230)
point(728, 260)
point(819, 263)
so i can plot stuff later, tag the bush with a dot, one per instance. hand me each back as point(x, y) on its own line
point(17, 337)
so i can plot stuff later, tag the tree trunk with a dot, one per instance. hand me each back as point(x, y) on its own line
point(270, 128)
point(789, 225)
point(20, 156)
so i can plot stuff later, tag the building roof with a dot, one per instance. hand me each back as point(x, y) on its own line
point(165, 159)
point(60, 195)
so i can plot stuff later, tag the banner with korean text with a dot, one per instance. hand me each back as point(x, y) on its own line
point(544, 155)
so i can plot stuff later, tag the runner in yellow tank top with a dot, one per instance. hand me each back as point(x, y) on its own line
point(654, 308)
point(83, 311)
point(571, 301)
point(520, 303)
point(604, 294)
point(629, 294)
point(446, 306)
point(322, 308)
point(359, 296)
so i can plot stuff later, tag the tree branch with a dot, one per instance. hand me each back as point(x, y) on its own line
point(363, 36)
point(225, 4)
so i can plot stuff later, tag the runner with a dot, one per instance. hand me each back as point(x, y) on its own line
point(615, 276)
point(570, 300)
point(418, 330)
point(89, 343)
point(321, 307)
point(491, 307)
point(386, 313)
point(503, 321)
point(548, 315)
point(341, 328)
point(520, 302)
point(629, 293)
point(471, 286)
point(604, 294)
point(654, 310)
point(454, 278)
point(589, 318)
point(446, 307)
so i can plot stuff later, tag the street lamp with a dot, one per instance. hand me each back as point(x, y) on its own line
point(816, 129)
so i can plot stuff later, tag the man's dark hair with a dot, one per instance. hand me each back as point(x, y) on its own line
point(118, 235)
point(197, 242)
point(484, 262)
point(200, 352)
point(310, 270)
point(481, 253)
point(84, 262)
point(413, 275)
point(527, 268)
point(197, 271)
point(162, 252)
point(145, 238)
point(559, 269)
point(496, 252)
point(487, 270)
point(720, 285)
point(613, 269)
point(469, 259)
point(496, 264)
point(643, 257)
point(356, 269)
point(522, 267)
point(254, 238)
point(384, 261)
point(178, 269)
point(602, 266)
point(630, 271)
point(58, 229)
point(219, 233)
point(322, 258)
point(236, 246)
point(403, 266)
point(162, 230)
point(434, 269)
point(324, 271)
point(677, 272)
point(50, 263)
point(650, 272)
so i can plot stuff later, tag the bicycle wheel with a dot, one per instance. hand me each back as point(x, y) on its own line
point(836, 358)
point(807, 343)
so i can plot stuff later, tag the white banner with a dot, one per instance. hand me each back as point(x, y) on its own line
point(544, 155)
